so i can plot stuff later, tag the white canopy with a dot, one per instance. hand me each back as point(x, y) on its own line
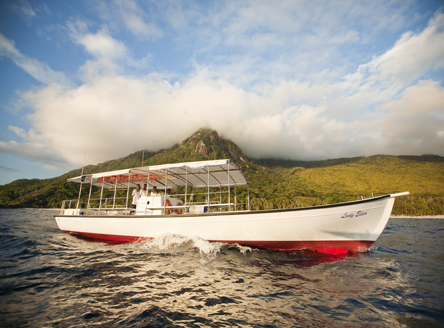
point(217, 173)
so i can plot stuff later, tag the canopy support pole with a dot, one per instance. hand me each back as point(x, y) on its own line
point(89, 196)
point(229, 191)
point(235, 197)
point(248, 195)
point(81, 181)
point(186, 184)
point(115, 191)
point(166, 190)
point(208, 186)
point(101, 195)
point(80, 191)
point(127, 191)
point(147, 187)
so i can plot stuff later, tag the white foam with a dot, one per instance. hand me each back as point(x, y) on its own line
point(244, 249)
point(167, 241)
point(173, 243)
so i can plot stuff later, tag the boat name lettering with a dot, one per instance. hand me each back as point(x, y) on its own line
point(353, 214)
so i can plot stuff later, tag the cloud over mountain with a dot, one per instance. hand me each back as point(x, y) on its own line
point(297, 81)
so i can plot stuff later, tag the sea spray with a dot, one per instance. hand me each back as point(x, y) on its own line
point(174, 243)
point(244, 249)
point(167, 242)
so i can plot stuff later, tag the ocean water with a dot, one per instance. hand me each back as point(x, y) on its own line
point(52, 279)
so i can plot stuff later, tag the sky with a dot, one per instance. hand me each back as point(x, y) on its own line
point(83, 82)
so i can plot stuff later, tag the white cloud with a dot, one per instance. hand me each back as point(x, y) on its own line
point(255, 42)
point(132, 16)
point(37, 69)
point(24, 9)
point(108, 55)
point(114, 116)
point(7, 48)
point(411, 57)
point(415, 122)
point(36, 148)
point(279, 107)
point(413, 54)
point(100, 44)
point(134, 19)
point(18, 131)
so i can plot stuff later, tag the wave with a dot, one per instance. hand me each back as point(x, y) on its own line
point(174, 244)
point(13, 246)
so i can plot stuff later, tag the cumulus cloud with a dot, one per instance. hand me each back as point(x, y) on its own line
point(118, 115)
point(415, 122)
point(382, 107)
point(99, 44)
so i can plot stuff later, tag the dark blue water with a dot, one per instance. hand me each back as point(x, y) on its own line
point(52, 279)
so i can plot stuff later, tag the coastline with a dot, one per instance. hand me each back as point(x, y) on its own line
point(417, 217)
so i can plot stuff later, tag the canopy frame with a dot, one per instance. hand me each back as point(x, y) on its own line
point(204, 174)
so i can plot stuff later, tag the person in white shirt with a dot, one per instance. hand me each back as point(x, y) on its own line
point(136, 196)
point(144, 191)
point(154, 191)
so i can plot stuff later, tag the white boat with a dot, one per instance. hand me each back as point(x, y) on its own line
point(210, 200)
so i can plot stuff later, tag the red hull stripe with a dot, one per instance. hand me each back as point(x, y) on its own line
point(327, 246)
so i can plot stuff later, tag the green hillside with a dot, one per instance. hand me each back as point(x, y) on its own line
point(423, 177)
point(273, 183)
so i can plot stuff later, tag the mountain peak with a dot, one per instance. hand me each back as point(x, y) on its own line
point(202, 139)
point(207, 144)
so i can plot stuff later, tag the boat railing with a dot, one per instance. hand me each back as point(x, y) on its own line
point(214, 206)
point(118, 205)
point(214, 200)
point(97, 206)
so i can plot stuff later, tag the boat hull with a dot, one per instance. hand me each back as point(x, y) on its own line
point(332, 229)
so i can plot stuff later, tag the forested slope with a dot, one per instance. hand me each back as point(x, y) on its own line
point(273, 183)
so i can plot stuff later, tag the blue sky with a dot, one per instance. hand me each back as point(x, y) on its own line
point(286, 79)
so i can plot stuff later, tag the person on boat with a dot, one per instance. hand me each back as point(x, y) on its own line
point(136, 196)
point(144, 191)
point(154, 191)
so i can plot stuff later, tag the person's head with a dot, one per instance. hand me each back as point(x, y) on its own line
point(154, 188)
point(137, 186)
point(144, 186)
point(168, 191)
